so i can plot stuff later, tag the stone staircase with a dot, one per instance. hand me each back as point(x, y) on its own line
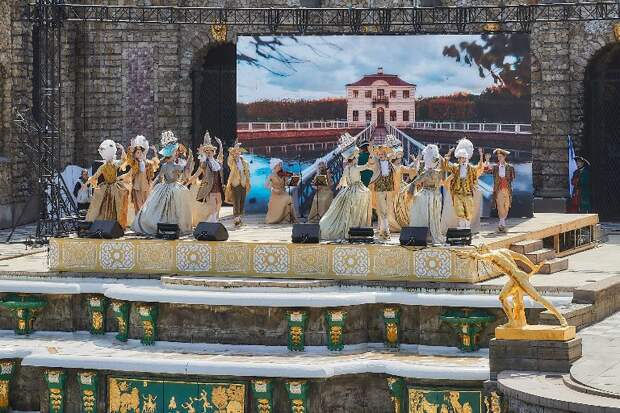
point(535, 251)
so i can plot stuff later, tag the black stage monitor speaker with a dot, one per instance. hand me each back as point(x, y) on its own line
point(306, 233)
point(413, 236)
point(82, 228)
point(210, 231)
point(104, 229)
point(361, 234)
point(168, 231)
point(458, 237)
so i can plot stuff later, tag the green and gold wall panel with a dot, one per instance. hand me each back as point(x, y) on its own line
point(444, 401)
point(157, 396)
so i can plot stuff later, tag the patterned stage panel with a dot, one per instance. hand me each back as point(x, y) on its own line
point(268, 260)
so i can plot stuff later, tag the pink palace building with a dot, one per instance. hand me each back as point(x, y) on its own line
point(381, 98)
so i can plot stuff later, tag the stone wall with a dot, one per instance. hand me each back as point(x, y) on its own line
point(120, 80)
point(340, 394)
point(260, 325)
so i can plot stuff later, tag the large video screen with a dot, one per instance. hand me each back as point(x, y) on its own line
point(296, 95)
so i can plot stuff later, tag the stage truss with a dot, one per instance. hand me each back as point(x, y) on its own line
point(49, 16)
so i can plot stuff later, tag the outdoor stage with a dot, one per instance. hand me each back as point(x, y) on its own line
point(260, 250)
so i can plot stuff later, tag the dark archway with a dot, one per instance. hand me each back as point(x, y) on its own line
point(602, 130)
point(214, 104)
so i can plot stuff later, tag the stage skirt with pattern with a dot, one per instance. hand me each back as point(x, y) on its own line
point(350, 209)
point(168, 203)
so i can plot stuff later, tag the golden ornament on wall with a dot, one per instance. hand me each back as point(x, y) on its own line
point(391, 332)
point(296, 335)
point(491, 27)
point(616, 28)
point(219, 32)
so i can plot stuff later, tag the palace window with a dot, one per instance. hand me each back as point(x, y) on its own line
point(392, 116)
point(355, 93)
point(380, 93)
point(368, 94)
point(405, 116)
point(356, 116)
point(405, 94)
point(368, 116)
point(393, 94)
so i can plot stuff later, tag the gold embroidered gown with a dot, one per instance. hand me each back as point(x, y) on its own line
point(350, 208)
point(280, 207)
point(323, 198)
point(111, 195)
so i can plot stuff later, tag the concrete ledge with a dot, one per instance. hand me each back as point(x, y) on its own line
point(544, 391)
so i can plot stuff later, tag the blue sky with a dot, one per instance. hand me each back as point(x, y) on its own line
point(327, 63)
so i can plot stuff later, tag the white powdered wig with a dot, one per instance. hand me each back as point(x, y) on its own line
point(273, 162)
point(464, 149)
point(107, 150)
point(430, 154)
point(140, 141)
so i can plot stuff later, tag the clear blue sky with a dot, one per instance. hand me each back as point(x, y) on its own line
point(327, 63)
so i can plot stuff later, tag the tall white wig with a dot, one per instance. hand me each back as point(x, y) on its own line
point(140, 142)
point(273, 162)
point(464, 149)
point(107, 150)
point(430, 154)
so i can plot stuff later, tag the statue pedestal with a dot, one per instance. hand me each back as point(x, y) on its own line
point(536, 332)
point(550, 355)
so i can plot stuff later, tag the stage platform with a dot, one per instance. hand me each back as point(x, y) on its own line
point(260, 250)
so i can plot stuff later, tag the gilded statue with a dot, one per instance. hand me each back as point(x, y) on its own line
point(518, 284)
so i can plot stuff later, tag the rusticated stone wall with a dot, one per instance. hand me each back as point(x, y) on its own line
point(259, 325)
point(363, 393)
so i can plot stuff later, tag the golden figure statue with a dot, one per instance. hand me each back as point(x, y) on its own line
point(518, 284)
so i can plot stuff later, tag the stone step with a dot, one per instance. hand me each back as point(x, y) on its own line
point(523, 247)
point(554, 265)
point(538, 256)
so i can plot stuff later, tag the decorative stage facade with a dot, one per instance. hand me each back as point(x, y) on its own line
point(283, 260)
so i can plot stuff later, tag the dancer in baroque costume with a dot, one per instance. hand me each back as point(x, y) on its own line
point(385, 187)
point(402, 202)
point(503, 176)
point(351, 207)
point(463, 181)
point(208, 200)
point(280, 207)
point(170, 201)
point(142, 170)
point(426, 188)
point(323, 195)
point(238, 185)
point(111, 194)
point(365, 147)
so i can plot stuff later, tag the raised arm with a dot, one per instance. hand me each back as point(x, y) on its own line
point(95, 178)
point(481, 164)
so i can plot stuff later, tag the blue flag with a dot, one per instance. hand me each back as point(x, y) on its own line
point(572, 164)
